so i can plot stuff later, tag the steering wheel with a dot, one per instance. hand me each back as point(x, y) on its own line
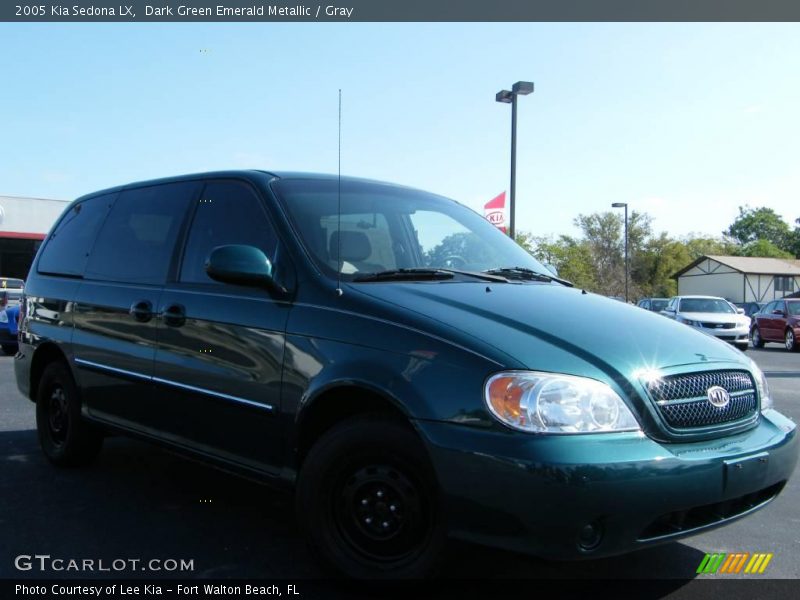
point(454, 261)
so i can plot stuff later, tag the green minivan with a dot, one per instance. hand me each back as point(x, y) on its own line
point(408, 370)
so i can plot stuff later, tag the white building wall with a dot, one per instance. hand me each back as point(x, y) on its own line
point(726, 285)
point(32, 216)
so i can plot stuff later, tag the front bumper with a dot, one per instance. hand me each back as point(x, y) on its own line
point(537, 494)
point(737, 335)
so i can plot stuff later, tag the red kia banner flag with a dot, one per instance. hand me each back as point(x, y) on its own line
point(495, 213)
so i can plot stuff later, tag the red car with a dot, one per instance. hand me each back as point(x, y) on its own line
point(778, 321)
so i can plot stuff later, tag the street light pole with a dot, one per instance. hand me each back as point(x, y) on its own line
point(521, 88)
point(625, 205)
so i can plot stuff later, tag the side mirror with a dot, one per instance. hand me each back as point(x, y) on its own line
point(740, 311)
point(777, 312)
point(242, 265)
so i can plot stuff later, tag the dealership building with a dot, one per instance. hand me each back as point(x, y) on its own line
point(24, 223)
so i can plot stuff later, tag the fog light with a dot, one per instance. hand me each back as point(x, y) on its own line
point(590, 536)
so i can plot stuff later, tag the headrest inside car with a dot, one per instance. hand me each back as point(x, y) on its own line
point(355, 245)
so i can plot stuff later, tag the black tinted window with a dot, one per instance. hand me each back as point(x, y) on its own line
point(70, 242)
point(228, 212)
point(136, 242)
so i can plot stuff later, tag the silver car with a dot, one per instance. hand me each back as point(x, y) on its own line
point(712, 315)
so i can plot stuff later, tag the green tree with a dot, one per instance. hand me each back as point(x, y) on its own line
point(763, 223)
point(698, 246)
point(659, 260)
point(604, 234)
point(572, 259)
point(764, 248)
point(795, 246)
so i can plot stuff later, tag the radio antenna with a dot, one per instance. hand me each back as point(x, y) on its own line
point(339, 291)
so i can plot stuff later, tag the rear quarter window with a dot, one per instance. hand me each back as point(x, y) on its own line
point(69, 243)
point(137, 240)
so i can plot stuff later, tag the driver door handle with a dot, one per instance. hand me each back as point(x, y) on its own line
point(142, 311)
point(174, 315)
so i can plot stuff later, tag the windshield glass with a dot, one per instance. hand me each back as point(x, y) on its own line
point(659, 305)
point(386, 227)
point(794, 308)
point(706, 305)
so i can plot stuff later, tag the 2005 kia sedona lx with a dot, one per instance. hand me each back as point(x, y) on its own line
point(411, 371)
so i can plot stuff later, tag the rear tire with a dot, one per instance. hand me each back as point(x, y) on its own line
point(9, 349)
point(790, 341)
point(368, 501)
point(67, 440)
point(756, 339)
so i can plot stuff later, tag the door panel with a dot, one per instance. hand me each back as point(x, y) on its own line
point(219, 382)
point(220, 346)
point(114, 351)
point(115, 319)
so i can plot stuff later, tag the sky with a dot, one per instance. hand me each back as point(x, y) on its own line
point(685, 122)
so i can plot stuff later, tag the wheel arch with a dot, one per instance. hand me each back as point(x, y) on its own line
point(336, 403)
point(44, 355)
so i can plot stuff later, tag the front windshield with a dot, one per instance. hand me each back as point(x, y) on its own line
point(659, 305)
point(705, 305)
point(384, 227)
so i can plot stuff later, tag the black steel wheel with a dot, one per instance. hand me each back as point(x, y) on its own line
point(368, 502)
point(66, 439)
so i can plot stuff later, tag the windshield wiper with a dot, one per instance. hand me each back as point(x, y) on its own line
point(426, 274)
point(527, 274)
point(405, 275)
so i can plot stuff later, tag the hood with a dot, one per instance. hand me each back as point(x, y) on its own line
point(554, 328)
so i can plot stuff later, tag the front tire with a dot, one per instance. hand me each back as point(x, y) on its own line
point(368, 502)
point(756, 339)
point(67, 440)
point(790, 341)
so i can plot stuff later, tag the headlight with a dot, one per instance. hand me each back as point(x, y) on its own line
point(689, 322)
point(761, 386)
point(553, 403)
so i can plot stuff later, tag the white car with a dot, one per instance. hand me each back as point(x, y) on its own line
point(712, 315)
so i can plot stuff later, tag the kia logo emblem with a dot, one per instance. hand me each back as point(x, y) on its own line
point(718, 396)
point(495, 217)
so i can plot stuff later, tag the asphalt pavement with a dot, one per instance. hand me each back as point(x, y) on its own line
point(141, 502)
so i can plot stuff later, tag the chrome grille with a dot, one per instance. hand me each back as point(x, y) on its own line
point(709, 325)
point(683, 401)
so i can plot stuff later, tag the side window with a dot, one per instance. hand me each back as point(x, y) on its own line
point(228, 212)
point(769, 308)
point(137, 240)
point(69, 243)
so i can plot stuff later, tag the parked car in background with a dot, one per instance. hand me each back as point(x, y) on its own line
point(712, 315)
point(750, 308)
point(10, 291)
point(778, 321)
point(8, 329)
point(653, 304)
